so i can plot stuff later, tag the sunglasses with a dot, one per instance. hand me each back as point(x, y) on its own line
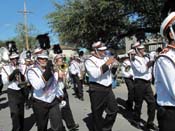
point(43, 59)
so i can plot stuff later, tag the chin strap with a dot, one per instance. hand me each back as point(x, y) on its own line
point(97, 53)
point(172, 31)
point(138, 52)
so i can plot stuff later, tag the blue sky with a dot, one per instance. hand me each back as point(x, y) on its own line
point(10, 16)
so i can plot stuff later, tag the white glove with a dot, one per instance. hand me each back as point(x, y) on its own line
point(62, 104)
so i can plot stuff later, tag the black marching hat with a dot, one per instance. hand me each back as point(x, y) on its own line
point(44, 41)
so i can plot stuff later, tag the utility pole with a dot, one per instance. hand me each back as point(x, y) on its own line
point(25, 12)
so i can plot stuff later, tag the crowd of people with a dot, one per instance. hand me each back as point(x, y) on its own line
point(140, 71)
point(39, 82)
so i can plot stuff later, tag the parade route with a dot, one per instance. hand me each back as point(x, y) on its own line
point(81, 112)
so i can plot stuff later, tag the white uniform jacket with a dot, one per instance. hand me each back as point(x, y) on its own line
point(140, 69)
point(75, 68)
point(24, 68)
point(6, 72)
point(42, 90)
point(164, 74)
point(93, 68)
point(126, 69)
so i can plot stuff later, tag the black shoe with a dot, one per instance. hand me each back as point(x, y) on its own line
point(129, 106)
point(76, 96)
point(74, 128)
point(152, 126)
point(28, 107)
point(82, 99)
point(138, 124)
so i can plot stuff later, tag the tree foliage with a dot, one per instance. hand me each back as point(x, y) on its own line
point(20, 39)
point(83, 22)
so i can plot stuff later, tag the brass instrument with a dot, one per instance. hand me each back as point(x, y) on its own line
point(62, 70)
point(63, 67)
point(22, 83)
point(82, 73)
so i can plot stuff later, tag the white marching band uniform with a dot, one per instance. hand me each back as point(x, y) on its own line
point(127, 73)
point(44, 91)
point(94, 70)
point(142, 87)
point(140, 69)
point(163, 71)
point(75, 68)
point(14, 92)
point(5, 72)
point(101, 95)
point(76, 72)
point(165, 89)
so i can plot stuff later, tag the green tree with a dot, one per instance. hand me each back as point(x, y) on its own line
point(2, 43)
point(82, 22)
point(20, 38)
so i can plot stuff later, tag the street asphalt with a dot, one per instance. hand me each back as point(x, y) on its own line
point(81, 112)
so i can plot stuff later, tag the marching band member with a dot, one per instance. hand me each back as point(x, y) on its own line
point(46, 94)
point(163, 71)
point(101, 95)
point(4, 58)
point(76, 74)
point(1, 83)
point(61, 71)
point(128, 76)
point(12, 76)
point(142, 86)
point(28, 63)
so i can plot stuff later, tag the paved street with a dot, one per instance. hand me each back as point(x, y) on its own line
point(81, 111)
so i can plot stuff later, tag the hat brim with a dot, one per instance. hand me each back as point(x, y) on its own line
point(102, 48)
point(14, 56)
point(141, 47)
point(166, 23)
point(136, 44)
point(28, 60)
point(97, 44)
point(44, 57)
point(132, 51)
point(37, 51)
point(58, 57)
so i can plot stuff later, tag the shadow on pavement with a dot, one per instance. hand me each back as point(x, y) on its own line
point(89, 121)
point(3, 105)
point(29, 122)
point(128, 115)
point(3, 99)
